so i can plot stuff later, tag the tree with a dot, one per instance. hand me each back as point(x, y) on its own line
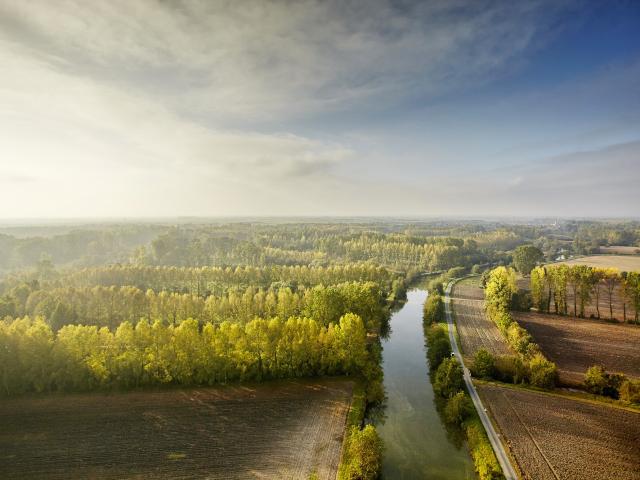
point(458, 409)
point(525, 258)
point(543, 373)
point(449, 378)
point(483, 364)
point(611, 277)
point(364, 454)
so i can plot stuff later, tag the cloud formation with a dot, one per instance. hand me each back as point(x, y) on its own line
point(195, 108)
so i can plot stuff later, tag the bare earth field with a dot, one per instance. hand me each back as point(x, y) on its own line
point(620, 250)
point(474, 327)
point(624, 263)
point(577, 344)
point(276, 430)
point(553, 438)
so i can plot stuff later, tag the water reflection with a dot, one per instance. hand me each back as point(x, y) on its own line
point(417, 444)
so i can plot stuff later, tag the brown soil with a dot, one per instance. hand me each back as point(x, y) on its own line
point(474, 327)
point(576, 344)
point(276, 430)
point(553, 438)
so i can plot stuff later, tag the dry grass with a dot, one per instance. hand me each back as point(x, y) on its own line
point(277, 430)
point(620, 250)
point(577, 344)
point(552, 437)
point(624, 263)
point(474, 327)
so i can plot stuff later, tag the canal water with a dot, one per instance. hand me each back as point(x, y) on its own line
point(417, 444)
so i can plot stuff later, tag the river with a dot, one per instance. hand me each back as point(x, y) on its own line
point(417, 445)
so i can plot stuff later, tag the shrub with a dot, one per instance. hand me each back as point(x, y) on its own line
point(433, 310)
point(449, 378)
point(483, 364)
point(510, 369)
point(458, 409)
point(484, 459)
point(364, 453)
point(630, 391)
point(599, 382)
point(439, 347)
point(542, 372)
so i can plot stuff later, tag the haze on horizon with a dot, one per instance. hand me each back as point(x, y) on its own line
point(474, 108)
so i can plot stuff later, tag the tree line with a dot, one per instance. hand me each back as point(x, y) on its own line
point(500, 293)
point(34, 358)
point(576, 286)
point(205, 281)
point(110, 306)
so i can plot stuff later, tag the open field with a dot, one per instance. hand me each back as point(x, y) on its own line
point(620, 250)
point(276, 430)
point(552, 438)
point(474, 327)
point(625, 263)
point(577, 344)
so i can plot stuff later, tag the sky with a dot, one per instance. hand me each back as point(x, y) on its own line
point(469, 108)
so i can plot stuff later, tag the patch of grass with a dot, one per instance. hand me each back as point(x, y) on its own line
point(176, 456)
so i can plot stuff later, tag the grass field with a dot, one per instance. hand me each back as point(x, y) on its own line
point(577, 344)
point(474, 327)
point(276, 430)
point(553, 438)
point(625, 263)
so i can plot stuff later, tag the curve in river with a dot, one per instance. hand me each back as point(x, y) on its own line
point(416, 441)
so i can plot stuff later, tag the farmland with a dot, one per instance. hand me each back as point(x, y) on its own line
point(275, 430)
point(577, 344)
point(551, 437)
point(620, 250)
point(476, 330)
point(624, 263)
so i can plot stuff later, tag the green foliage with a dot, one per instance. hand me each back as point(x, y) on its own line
point(525, 258)
point(483, 364)
point(433, 309)
point(629, 391)
point(599, 382)
point(510, 369)
point(542, 372)
point(484, 459)
point(448, 379)
point(458, 408)
point(439, 347)
point(363, 452)
point(78, 357)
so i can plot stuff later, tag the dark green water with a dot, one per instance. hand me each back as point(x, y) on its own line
point(417, 444)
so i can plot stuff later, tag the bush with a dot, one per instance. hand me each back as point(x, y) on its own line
point(542, 372)
point(364, 454)
point(599, 382)
point(439, 347)
point(433, 310)
point(449, 378)
point(483, 364)
point(510, 369)
point(458, 408)
point(630, 391)
point(484, 459)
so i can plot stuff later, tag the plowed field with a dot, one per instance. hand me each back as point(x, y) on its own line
point(555, 438)
point(474, 327)
point(577, 344)
point(278, 430)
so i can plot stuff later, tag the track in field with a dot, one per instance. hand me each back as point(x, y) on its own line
point(275, 430)
point(555, 438)
point(576, 344)
point(474, 327)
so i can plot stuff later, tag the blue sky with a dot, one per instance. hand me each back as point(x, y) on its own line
point(459, 107)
